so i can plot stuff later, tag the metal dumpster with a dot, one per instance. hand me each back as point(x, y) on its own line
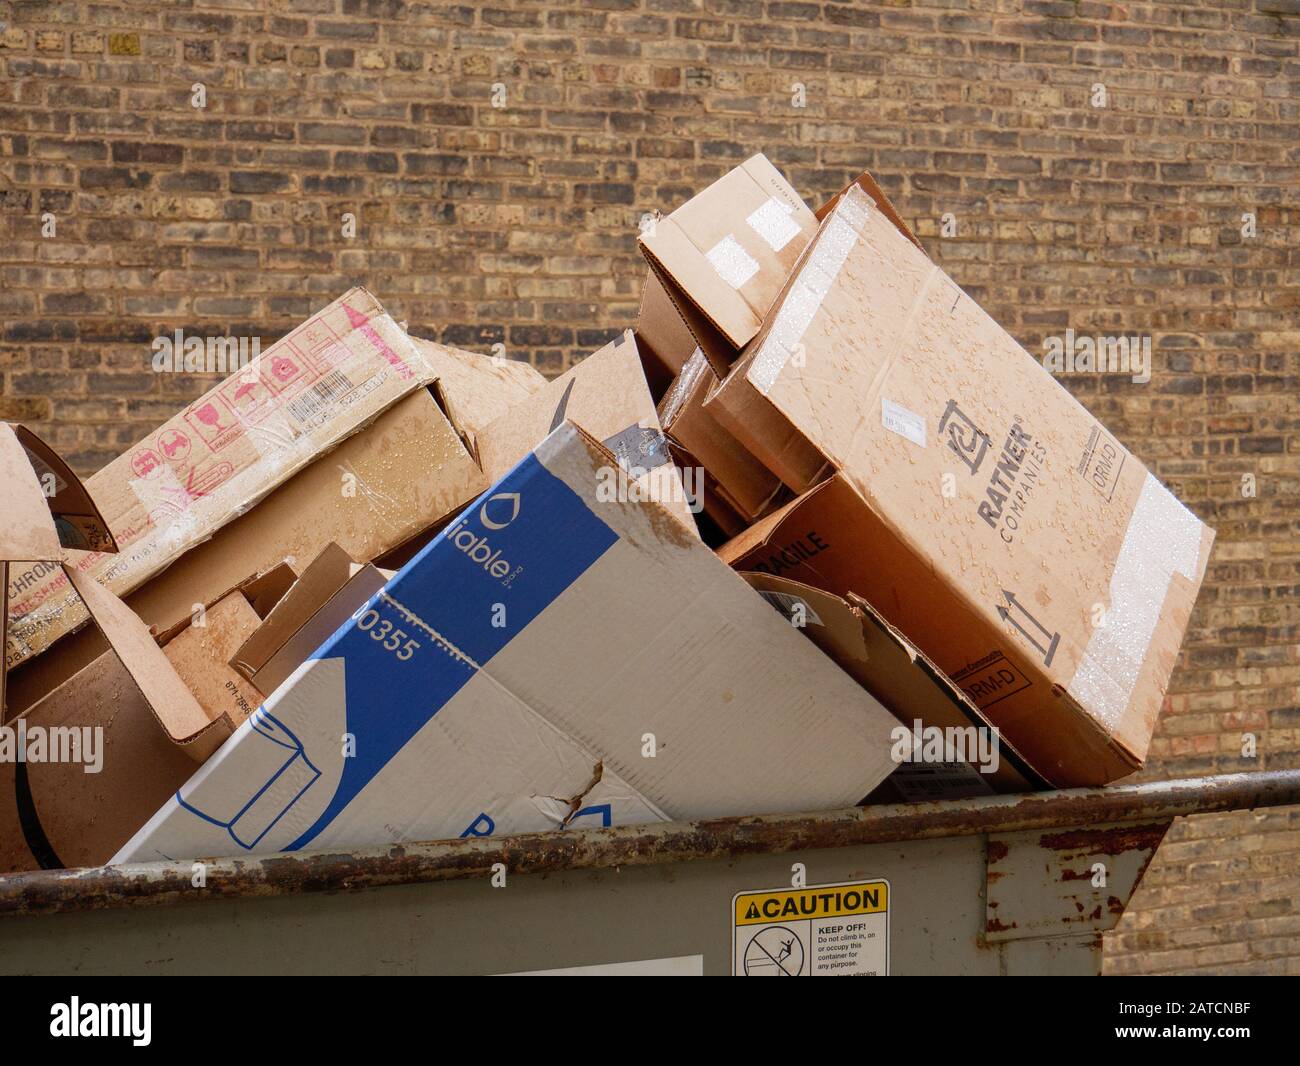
point(1004, 885)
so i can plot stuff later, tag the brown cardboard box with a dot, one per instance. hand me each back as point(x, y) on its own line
point(752, 420)
point(224, 452)
point(905, 681)
point(723, 256)
point(331, 587)
point(47, 512)
point(605, 394)
point(60, 813)
point(749, 487)
point(475, 390)
point(399, 476)
point(999, 517)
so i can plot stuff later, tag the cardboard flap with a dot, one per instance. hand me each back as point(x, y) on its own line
point(77, 519)
point(867, 184)
point(323, 577)
point(173, 704)
point(28, 531)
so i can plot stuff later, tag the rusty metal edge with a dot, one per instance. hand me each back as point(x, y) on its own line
point(164, 883)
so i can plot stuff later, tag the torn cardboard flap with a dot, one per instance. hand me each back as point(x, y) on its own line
point(331, 587)
point(723, 255)
point(28, 531)
point(468, 685)
point(908, 387)
point(475, 389)
point(606, 394)
point(227, 450)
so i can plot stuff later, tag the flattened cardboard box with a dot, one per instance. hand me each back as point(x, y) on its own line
point(723, 256)
point(223, 453)
point(907, 386)
point(382, 486)
point(505, 680)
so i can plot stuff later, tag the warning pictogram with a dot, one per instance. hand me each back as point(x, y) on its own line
point(818, 931)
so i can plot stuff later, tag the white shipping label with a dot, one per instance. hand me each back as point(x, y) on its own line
point(898, 419)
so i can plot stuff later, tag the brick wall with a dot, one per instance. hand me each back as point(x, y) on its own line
point(516, 224)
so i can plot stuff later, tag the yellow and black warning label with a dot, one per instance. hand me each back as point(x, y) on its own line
point(817, 931)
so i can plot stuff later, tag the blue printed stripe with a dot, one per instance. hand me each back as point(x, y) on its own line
point(478, 585)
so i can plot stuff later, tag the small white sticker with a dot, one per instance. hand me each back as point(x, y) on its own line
point(734, 265)
point(772, 222)
point(898, 419)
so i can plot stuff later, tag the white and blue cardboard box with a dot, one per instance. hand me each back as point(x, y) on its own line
point(557, 656)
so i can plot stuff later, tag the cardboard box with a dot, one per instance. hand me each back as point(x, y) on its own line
point(919, 694)
point(549, 659)
point(49, 511)
point(475, 390)
point(331, 587)
point(750, 488)
point(224, 452)
point(998, 518)
point(136, 747)
point(404, 473)
point(723, 256)
point(605, 394)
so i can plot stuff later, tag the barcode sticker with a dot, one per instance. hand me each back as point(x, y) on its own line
point(898, 419)
point(796, 610)
point(320, 395)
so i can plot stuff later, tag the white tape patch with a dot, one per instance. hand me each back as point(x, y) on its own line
point(1163, 539)
point(898, 419)
point(734, 265)
point(772, 222)
point(839, 235)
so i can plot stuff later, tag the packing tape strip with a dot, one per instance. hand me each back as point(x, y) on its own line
point(731, 262)
point(836, 241)
point(774, 224)
point(1163, 538)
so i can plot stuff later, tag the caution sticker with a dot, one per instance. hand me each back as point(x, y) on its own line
point(820, 931)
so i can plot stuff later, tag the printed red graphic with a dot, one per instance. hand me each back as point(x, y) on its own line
point(174, 445)
point(214, 422)
point(145, 462)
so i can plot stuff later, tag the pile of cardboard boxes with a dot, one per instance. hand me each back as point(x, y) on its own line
point(371, 588)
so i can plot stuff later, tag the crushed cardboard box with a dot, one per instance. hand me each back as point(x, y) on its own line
point(512, 676)
point(49, 756)
point(293, 402)
point(404, 474)
point(906, 386)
